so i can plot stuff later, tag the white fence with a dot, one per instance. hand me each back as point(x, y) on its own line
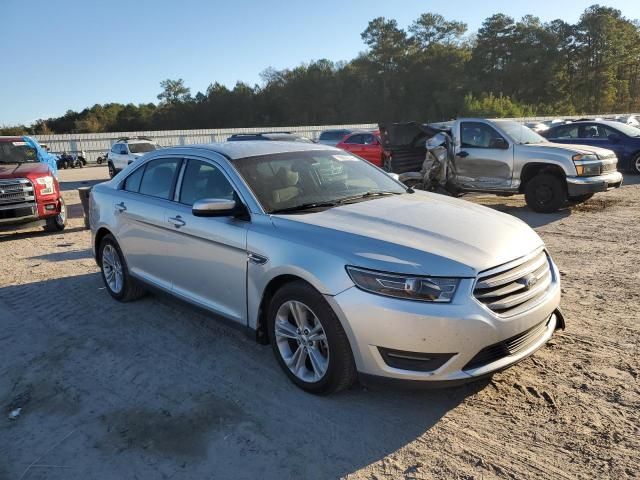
point(97, 144)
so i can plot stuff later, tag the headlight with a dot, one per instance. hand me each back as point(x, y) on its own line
point(47, 183)
point(425, 289)
point(587, 165)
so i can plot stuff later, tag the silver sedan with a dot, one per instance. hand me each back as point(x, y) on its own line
point(346, 272)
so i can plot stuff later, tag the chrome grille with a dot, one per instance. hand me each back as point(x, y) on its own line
point(16, 190)
point(516, 286)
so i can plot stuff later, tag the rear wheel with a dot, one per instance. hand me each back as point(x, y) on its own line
point(545, 193)
point(59, 222)
point(309, 341)
point(115, 273)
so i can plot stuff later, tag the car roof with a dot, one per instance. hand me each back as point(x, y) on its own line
point(608, 123)
point(252, 148)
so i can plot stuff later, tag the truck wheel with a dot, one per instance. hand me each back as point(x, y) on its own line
point(115, 273)
point(57, 223)
point(545, 193)
point(309, 341)
point(112, 170)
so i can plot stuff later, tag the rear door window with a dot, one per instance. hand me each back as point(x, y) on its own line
point(565, 132)
point(132, 182)
point(159, 178)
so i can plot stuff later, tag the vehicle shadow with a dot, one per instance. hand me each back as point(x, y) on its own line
point(67, 185)
point(530, 217)
point(154, 384)
point(21, 234)
point(64, 256)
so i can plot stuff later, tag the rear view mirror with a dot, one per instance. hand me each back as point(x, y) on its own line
point(214, 207)
point(499, 143)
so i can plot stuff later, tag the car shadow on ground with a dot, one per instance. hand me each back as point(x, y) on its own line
point(64, 256)
point(531, 218)
point(155, 385)
point(22, 234)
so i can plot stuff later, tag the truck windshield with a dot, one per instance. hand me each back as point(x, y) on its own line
point(520, 133)
point(17, 152)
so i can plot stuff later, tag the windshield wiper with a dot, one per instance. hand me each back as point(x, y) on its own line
point(369, 194)
point(305, 206)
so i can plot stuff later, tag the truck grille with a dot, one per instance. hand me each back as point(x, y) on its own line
point(516, 286)
point(16, 190)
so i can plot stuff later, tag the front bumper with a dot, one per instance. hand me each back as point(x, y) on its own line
point(577, 186)
point(463, 329)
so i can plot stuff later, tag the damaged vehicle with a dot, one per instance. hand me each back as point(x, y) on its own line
point(497, 156)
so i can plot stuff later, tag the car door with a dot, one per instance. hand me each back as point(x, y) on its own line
point(141, 227)
point(114, 155)
point(209, 253)
point(371, 149)
point(484, 160)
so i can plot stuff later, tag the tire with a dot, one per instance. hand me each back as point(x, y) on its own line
point(635, 164)
point(115, 273)
point(334, 368)
point(386, 164)
point(59, 222)
point(112, 170)
point(545, 193)
point(581, 198)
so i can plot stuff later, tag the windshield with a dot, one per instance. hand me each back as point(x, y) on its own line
point(333, 135)
point(520, 133)
point(627, 129)
point(142, 147)
point(17, 152)
point(298, 180)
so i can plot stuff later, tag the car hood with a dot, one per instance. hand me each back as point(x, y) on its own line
point(569, 149)
point(23, 170)
point(420, 233)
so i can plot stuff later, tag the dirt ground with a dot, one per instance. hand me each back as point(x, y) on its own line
point(154, 389)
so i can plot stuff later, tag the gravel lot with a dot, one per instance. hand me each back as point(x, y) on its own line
point(154, 389)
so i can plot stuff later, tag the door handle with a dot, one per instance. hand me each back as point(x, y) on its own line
point(177, 221)
point(462, 154)
point(121, 207)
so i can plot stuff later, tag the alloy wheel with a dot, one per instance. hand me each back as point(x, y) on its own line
point(112, 268)
point(302, 341)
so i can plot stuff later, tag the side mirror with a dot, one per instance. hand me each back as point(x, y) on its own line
point(214, 207)
point(614, 137)
point(499, 143)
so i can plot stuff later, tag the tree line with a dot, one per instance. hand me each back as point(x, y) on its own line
point(431, 71)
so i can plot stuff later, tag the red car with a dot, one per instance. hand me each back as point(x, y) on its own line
point(366, 145)
point(29, 191)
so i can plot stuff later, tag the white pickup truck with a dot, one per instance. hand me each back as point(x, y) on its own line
point(505, 157)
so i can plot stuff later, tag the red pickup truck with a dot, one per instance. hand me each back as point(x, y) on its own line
point(29, 191)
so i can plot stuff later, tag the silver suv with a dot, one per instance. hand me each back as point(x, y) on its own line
point(342, 269)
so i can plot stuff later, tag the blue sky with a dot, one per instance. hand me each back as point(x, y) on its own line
point(69, 54)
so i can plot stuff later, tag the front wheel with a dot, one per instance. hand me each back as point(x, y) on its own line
point(545, 193)
point(635, 164)
point(309, 341)
point(59, 222)
point(112, 170)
